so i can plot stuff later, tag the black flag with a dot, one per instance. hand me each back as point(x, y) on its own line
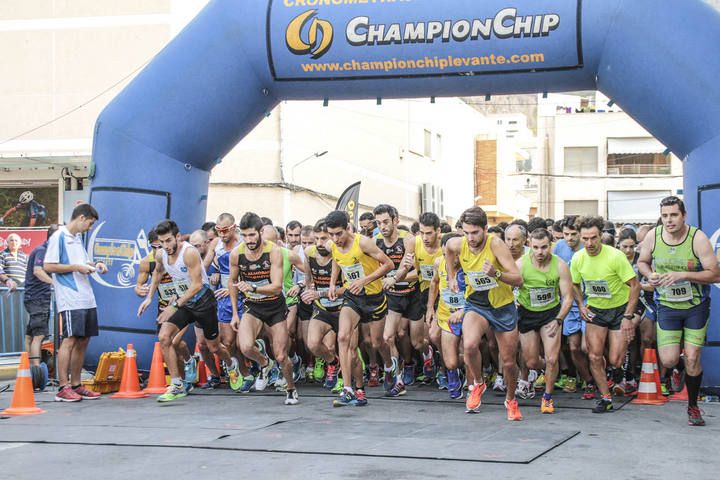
point(348, 202)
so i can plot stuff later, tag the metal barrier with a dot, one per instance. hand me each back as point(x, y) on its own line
point(14, 319)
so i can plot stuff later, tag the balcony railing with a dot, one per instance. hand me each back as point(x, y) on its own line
point(639, 169)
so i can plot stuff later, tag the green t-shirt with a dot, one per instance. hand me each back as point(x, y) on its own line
point(604, 277)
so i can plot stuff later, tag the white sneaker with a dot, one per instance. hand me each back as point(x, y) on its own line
point(263, 377)
point(292, 398)
point(499, 385)
point(524, 390)
point(532, 376)
point(281, 384)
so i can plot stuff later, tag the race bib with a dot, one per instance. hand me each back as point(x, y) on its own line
point(541, 297)
point(480, 282)
point(426, 272)
point(597, 289)
point(167, 291)
point(353, 272)
point(326, 302)
point(182, 286)
point(257, 295)
point(224, 280)
point(679, 292)
point(454, 301)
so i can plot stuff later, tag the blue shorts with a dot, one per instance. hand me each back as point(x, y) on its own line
point(224, 309)
point(502, 319)
point(573, 323)
point(695, 318)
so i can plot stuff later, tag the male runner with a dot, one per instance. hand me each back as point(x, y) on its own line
point(545, 279)
point(305, 311)
point(256, 271)
point(193, 302)
point(404, 303)
point(363, 265)
point(515, 237)
point(684, 268)
point(489, 302)
point(612, 291)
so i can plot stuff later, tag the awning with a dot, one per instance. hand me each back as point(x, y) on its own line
point(638, 206)
point(634, 146)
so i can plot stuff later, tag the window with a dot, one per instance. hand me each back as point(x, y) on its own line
point(581, 207)
point(438, 147)
point(428, 144)
point(637, 156)
point(581, 160)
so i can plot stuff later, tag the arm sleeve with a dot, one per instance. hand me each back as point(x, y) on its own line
point(39, 259)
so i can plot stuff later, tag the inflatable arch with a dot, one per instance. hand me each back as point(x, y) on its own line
point(229, 67)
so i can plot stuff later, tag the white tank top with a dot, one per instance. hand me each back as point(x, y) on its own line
point(181, 275)
point(299, 275)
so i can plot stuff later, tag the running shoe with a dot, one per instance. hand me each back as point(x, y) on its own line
point(247, 385)
point(173, 392)
point(281, 384)
point(547, 406)
point(360, 397)
point(695, 418)
point(338, 385)
point(191, 370)
point(310, 373)
point(331, 375)
point(291, 397)
point(67, 394)
point(389, 381)
point(532, 376)
point(274, 374)
point(260, 344)
point(319, 369)
point(619, 389)
point(561, 381)
point(589, 391)
point(212, 383)
point(442, 380)
point(261, 382)
point(408, 375)
point(86, 394)
point(455, 384)
point(428, 365)
point(570, 385)
point(298, 370)
point(676, 380)
point(540, 382)
point(374, 377)
point(474, 400)
point(604, 405)
point(346, 399)
point(189, 387)
point(524, 390)
point(665, 390)
point(234, 376)
point(631, 388)
point(397, 391)
point(513, 410)
point(499, 385)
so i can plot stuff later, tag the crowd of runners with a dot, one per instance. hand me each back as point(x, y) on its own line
point(523, 309)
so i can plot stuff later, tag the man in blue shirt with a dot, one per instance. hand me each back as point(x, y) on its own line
point(37, 300)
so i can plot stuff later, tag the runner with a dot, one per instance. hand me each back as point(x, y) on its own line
point(684, 268)
point(545, 279)
point(256, 271)
point(574, 325)
point(305, 311)
point(362, 264)
point(68, 262)
point(448, 318)
point(515, 237)
point(193, 302)
point(612, 289)
point(489, 302)
point(323, 325)
point(404, 303)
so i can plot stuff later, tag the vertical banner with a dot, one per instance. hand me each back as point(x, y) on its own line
point(348, 202)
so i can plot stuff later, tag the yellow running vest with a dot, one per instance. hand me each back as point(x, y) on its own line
point(484, 291)
point(424, 263)
point(355, 264)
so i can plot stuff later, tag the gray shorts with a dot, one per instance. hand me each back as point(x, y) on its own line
point(39, 312)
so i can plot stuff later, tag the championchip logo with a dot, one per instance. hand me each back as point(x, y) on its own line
point(315, 40)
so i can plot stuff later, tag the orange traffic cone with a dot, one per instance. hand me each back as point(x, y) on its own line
point(649, 392)
point(23, 401)
point(130, 384)
point(202, 375)
point(156, 380)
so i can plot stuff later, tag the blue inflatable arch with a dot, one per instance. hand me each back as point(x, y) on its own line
point(155, 144)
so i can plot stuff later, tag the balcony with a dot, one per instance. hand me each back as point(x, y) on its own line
point(639, 169)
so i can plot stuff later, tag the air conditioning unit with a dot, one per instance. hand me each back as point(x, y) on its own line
point(433, 199)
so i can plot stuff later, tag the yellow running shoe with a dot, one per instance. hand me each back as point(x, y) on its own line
point(546, 406)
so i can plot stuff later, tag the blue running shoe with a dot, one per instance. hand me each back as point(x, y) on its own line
point(298, 370)
point(346, 399)
point(188, 387)
point(247, 384)
point(212, 383)
point(408, 376)
point(442, 380)
point(331, 375)
point(397, 391)
point(455, 384)
point(388, 381)
point(191, 370)
point(274, 374)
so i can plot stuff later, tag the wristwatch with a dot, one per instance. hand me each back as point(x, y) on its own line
point(627, 317)
point(175, 305)
point(498, 274)
point(254, 288)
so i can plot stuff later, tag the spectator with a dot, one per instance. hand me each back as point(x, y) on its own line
point(13, 261)
point(37, 300)
point(70, 265)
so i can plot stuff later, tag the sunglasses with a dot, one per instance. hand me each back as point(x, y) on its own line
point(225, 229)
